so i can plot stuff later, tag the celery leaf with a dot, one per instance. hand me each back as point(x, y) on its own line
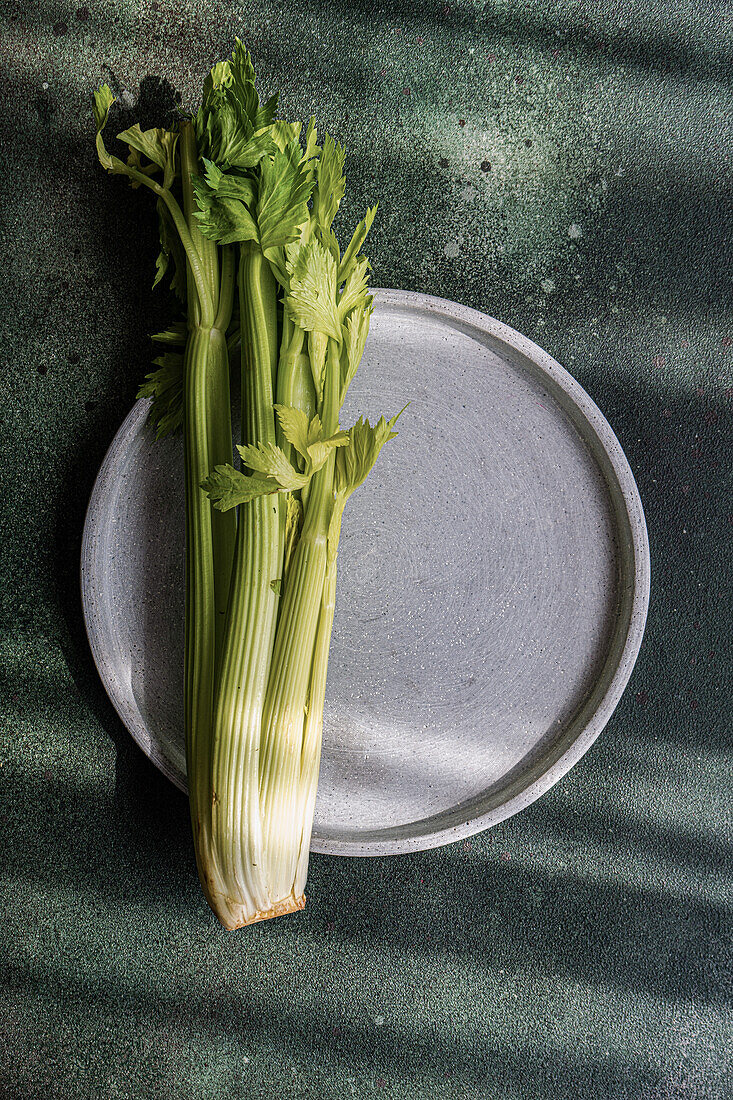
point(171, 251)
point(354, 462)
point(349, 258)
point(319, 451)
point(103, 100)
point(231, 117)
point(356, 330)
point(312, 296)
point(225, 185)
point(175, 335)
point(250, 153)
point(284, 190)
point(293, 526)
point(227, 487)
point(312, 148)
point(271, 461)
point(315, 430)
point(165, 387)
point(354, 292)
point(294, 424)
point(158, 145)
point(226, 221)
point(285, 133)
point(317, 348)
point(331, 182)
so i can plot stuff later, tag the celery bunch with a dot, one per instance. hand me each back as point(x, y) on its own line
point(246, 204)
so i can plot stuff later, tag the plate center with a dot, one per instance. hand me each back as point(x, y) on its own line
point(476, 590)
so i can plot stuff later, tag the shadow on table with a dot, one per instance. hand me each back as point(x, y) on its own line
point(668, 42)
point(319, 1037)
point(643, 938)
point(594, 929)
point(143, 797)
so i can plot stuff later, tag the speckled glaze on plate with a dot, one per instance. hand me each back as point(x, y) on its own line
point(493, 586)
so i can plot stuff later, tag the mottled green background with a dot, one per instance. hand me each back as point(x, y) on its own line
point(564, 166)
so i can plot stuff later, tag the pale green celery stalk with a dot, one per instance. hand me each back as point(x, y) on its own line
point(206, 442)
point(313, 726)
point(250, 629)
point(294, 379)
point(221, 279)
point(294, 387)
point(292, 663)
point(209, 543)
point(290, 392)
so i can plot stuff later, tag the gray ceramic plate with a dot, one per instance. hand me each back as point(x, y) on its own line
point(493, 586)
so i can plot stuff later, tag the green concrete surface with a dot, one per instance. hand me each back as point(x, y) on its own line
point(564, 166)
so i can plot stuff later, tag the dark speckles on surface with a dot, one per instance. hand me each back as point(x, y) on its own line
point(45, 105)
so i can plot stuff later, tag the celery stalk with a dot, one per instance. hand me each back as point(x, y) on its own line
point(250, 628)
point(247, 202)
point(209, 541)
point(310, 757)
point(287, 697)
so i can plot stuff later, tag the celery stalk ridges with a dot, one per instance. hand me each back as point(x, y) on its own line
point(246, 205)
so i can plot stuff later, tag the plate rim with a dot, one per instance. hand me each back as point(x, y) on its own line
point(637, 604)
